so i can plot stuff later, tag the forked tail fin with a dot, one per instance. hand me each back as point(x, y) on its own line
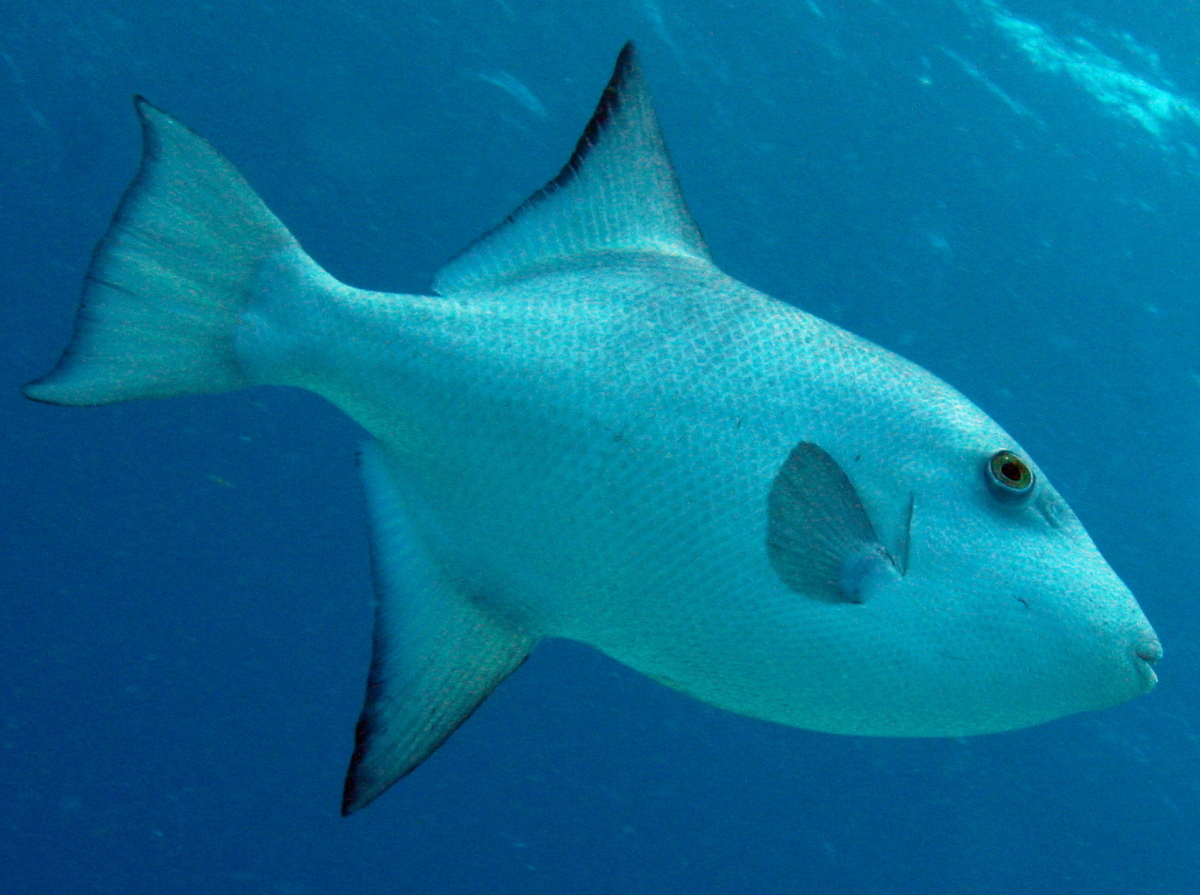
point(169, 281)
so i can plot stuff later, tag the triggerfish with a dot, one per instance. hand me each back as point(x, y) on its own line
point(590, 431)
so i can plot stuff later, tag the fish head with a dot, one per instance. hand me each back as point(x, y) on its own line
point(1021, 600)
point(972, 600)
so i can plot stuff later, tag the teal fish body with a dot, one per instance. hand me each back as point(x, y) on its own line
point(592, 432)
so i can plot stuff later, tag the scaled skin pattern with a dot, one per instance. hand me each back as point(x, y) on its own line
point(592, 432)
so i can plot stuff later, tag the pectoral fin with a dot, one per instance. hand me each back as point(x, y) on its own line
point(437, 655)
point(820, 540)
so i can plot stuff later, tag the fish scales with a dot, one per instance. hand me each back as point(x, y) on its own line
point(592, 432)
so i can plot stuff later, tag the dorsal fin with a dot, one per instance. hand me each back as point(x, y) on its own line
point(618, 193)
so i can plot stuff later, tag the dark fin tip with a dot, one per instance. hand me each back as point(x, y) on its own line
point(353, 796)
point(143, 107)
point(363, 731)
point(366, 730)
point(610, 101)
point(25, 393)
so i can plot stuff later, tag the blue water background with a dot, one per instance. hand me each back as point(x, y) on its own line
point(1006, 194)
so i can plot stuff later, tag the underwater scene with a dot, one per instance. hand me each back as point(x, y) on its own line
point(653, 583)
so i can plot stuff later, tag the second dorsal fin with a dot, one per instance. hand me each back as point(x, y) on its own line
point(618, 193)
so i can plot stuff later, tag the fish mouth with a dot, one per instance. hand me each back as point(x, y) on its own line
point(1145, 657)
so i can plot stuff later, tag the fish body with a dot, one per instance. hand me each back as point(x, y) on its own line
point(592, 432)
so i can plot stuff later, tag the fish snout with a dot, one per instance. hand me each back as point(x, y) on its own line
point(1146, 653)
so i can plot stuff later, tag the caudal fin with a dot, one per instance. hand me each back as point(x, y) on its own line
point(169, 280)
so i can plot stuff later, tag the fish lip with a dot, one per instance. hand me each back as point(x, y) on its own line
point(1145, 657)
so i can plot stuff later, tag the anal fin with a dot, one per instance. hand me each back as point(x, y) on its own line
point(437, 655)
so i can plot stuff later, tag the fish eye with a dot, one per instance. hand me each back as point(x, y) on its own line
point(1009, 476)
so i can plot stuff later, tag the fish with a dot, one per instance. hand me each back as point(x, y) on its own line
point(589, 431)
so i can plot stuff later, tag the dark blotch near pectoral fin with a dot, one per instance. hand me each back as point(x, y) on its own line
point(820, 540)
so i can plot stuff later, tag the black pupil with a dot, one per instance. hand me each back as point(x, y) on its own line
point(1012, 471)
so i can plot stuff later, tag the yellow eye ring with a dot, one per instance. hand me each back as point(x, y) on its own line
point(1009, 475)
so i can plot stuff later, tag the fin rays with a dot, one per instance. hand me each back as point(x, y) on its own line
point(820, 540)
point(436, 656)
point(618, 193)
